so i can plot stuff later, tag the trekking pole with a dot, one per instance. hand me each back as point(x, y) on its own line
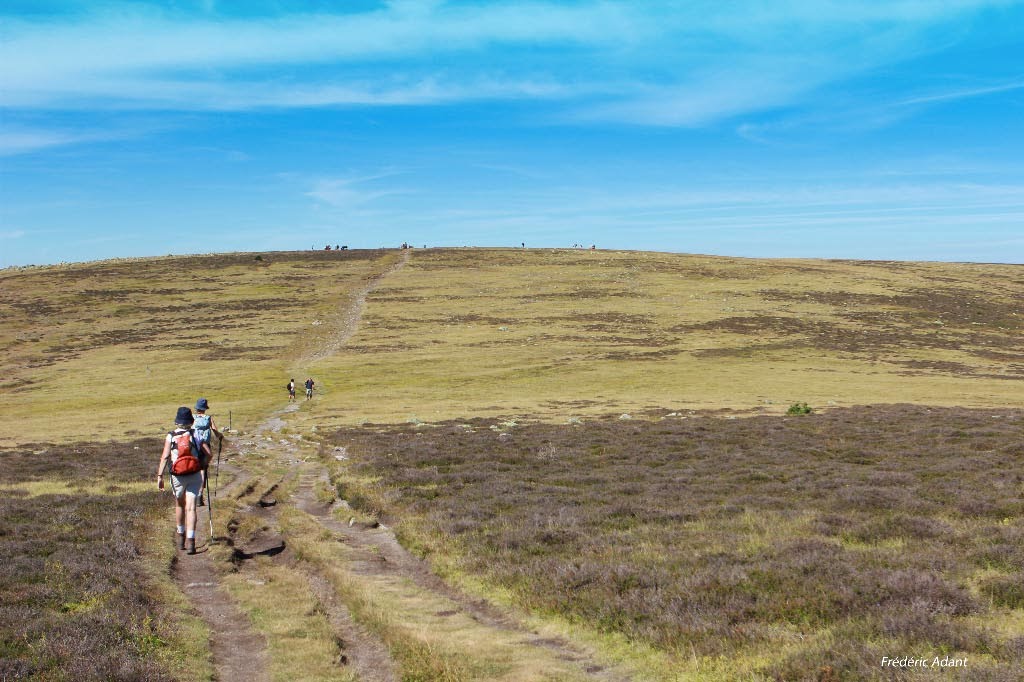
point(220, 446)
point(209, 497)
point(209, 513)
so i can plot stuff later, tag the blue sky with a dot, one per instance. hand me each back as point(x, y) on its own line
point(882, 130)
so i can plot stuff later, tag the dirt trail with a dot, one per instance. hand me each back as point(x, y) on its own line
point(350, 316)
point(367, 657)
point(373, 555)
point(239, 652)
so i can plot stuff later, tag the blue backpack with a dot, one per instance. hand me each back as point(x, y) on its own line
point(201, 427)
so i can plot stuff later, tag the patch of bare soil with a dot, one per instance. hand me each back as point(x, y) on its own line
point(239, 652)
point(351, 315)
point(366, 656)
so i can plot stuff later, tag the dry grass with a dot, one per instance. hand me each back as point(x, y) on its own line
point(301, 643)
point(431, 638)
point(549, 334)
point(557, 334)
point(109, 350)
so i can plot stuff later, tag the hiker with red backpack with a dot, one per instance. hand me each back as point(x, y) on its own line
point(186, 456)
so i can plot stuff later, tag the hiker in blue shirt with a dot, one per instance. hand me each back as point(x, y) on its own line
point(203, 428)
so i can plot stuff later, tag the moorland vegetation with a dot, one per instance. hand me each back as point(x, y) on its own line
point(597, 441)
point(765, 547)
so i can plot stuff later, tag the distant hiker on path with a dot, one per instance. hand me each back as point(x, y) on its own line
point(291, 390)
point(186, 457)
point(203, 427)
point(309, 388)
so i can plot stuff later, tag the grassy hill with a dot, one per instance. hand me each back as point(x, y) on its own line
point(550, 334)
point(556, 334)
point(594, 440)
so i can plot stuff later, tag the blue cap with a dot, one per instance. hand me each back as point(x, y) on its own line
point(202, 405)
point(184, 417)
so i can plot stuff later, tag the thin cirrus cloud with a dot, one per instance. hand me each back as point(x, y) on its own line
point(657, 63)
point(15, 141)
point(116, 57)
point(963, 93)
point(349, 193)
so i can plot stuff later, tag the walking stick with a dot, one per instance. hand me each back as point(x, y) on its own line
point(220, 446)
point(209, 497)
point(209, 512)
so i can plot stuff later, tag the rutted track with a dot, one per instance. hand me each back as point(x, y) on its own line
point(239, 652)
point(378, 558)
point(389, 578)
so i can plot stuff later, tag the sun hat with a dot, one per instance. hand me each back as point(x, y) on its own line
point(184, 417)
point(202, 405)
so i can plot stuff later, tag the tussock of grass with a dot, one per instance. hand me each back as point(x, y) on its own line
point(300, 638)
point(428, 637)
point(742, 538)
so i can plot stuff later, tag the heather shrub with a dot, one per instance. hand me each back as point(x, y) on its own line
point(1005, 591)
point(76, 604)
point(707, 536)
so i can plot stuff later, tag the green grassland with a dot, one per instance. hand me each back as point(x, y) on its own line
point(550, 334)
point(108, 350)
point(597, 440)
point(557, 334)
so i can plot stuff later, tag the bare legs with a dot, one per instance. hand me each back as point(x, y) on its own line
point(185, 513)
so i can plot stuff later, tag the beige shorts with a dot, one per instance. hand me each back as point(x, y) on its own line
point(189, 484)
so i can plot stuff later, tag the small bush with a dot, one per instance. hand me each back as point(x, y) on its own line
point(1006, 591)
point(799, 408)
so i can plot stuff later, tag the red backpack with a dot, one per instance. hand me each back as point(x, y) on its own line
point(184, 454)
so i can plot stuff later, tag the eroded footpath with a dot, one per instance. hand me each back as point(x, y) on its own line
point(387, 615)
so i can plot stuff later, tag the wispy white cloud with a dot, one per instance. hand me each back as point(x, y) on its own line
point(963, 93)
point(349, 193)
point(873, 221)
point(940, 203)
point(652, 63)
point(120, 55)
point(24, 140)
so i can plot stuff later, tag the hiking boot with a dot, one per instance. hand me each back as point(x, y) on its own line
point(191, 546)
point(179, 540)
